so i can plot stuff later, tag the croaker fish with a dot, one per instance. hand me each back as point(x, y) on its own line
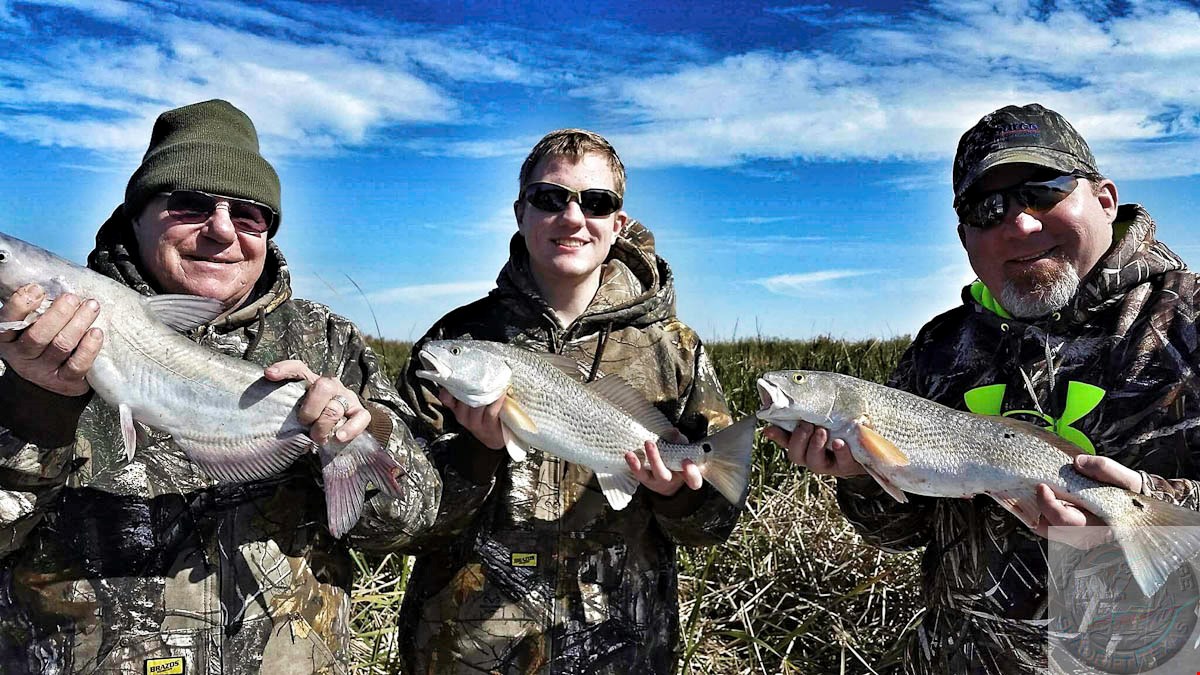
point(228, 419)
point(909, 444)
point(593, 424)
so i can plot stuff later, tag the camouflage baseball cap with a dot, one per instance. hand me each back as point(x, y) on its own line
point(1029, 134)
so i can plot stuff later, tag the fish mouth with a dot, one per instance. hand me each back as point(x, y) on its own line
point(771, 396)
point(435, 369)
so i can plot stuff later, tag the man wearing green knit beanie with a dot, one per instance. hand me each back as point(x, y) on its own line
point(148, 565)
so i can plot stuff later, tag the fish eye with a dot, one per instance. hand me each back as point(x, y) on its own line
point(3, 256)
point(797, 377)
point(456, 350)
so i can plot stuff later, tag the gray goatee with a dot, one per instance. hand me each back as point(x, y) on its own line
point(1048, 296)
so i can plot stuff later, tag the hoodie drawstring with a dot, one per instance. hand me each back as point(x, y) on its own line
point(600, 344)
point(261, 320)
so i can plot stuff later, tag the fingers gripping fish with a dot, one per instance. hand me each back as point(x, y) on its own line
point(221, 411)
point(911, 445)
point(593, 424)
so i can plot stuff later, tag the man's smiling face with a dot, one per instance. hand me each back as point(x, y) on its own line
point(211, 259)
point(1034, 261)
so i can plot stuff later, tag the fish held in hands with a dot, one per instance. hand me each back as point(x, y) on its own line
point(912, 445)
point(591, 424)
point(225, 416)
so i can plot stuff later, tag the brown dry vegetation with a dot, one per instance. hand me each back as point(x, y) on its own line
point(794, 590)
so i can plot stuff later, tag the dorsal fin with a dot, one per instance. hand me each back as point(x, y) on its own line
point(1044, 434)
point(567, 365)
point(184, 312)
point(621, 394)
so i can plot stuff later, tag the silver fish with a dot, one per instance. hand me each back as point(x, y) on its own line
point(593, 425)
point(229, 420)
point(909, 444)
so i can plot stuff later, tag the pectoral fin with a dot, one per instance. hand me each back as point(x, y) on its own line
point(516, 417)
point(517, 449)
point(128, 430)
point(884, 451)
point(1023, 506)
point(887, 485)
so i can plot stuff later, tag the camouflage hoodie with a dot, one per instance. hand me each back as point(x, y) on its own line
point(533, 572)
point(107, 565)
point(1130, 331)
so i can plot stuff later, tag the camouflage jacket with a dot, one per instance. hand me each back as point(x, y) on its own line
point(1131, 331)
point(108, 564)
point(533, 572)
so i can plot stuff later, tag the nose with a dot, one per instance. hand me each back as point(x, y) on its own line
point(574, 213)
point(219, 225)
point(1018, 222)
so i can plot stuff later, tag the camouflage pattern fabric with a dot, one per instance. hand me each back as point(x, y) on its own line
point(532, 571)
point(1130, 330)
point(105, 563)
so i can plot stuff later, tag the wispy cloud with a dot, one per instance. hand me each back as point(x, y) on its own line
point(421, 293)
point(808, 283)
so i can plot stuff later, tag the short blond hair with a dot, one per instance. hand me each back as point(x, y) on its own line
point(573, 143)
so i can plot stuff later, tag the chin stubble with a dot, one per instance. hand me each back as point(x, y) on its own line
point(1046, 295)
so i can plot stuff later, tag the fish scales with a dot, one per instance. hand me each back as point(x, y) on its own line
point(591, 425)
point(912, 445)
point(220, 410)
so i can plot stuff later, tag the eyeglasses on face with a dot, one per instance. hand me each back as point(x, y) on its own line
point(553, 198)
point(195, 206)
point(987, 209)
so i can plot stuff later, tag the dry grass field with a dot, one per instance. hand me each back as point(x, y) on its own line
point(794, 590)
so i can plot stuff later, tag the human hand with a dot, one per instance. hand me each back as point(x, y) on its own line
point(654, 474)
point(483, 422)
point(809, 446)
point(58, 349)
point(1055, 512)
point(326, 403)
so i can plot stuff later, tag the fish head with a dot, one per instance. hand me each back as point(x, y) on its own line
point(23, 263)
point(792, 396)
point(472, 375)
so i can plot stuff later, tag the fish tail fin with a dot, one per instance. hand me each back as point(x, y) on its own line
point(727, 460)
point(346, 474)
point(1157, 540)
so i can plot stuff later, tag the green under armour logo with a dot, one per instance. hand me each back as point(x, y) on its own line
point(1082, 398)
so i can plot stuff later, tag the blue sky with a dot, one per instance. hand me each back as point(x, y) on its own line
point(793, 160)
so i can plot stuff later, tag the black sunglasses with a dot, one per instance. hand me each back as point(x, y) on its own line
point(986, 210)
point(194, 206)
point(553, 198)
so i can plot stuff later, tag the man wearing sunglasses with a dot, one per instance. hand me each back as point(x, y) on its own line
point(146, 565)
point(1080, 322)
point(537, 573)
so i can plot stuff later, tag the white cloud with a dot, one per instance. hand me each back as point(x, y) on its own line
point(308, 87)
point(808, 283)
point(421, 293)
point(906, 92)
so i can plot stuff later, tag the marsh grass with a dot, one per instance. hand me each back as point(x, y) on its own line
point(794, 590)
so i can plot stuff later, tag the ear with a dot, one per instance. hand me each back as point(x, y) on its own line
point(519, 211)
point(1108, 198)
point(620, 219)
point(962, 235)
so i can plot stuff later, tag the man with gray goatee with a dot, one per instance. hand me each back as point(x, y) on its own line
point(1082, 322)
point(112, 565)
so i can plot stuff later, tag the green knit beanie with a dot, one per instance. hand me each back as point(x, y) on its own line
point(209, 146)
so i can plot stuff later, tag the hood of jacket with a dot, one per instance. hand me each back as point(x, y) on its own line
point(637, 287)
point(116, 256)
